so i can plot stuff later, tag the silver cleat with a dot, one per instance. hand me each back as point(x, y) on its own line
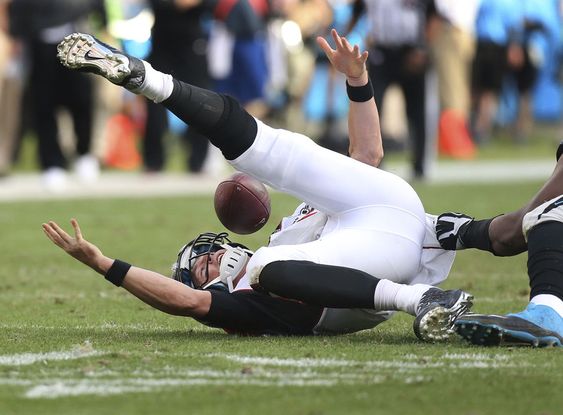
point(84, 52)
point(437, 313)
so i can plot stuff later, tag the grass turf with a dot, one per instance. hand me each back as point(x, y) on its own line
point(72, 343)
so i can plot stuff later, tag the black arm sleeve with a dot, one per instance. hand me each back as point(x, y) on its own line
point(253, 313)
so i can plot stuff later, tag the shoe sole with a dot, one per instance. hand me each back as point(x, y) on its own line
point(84, 52)
point(438, 323)
point(490, 334)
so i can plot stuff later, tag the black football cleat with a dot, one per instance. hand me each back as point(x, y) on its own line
point(437, 313)
point(85, 53)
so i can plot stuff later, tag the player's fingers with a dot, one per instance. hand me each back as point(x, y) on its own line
point(45, 228)
point(337, 39)
point(356, 51)
point(325, 46)
point(76, 227)
point(51, 234)
point(61, 232)
point(348, 46)
point(365, 56)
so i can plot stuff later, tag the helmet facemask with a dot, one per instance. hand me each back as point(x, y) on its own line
point(233, 261)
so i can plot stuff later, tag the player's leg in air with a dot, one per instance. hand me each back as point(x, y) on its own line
point(541, 323)
point(501, 235)
point(342, 188)
point(338, 186)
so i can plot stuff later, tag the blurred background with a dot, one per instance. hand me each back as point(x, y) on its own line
point(465, 88)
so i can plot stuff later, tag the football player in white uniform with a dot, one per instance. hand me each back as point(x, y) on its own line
point(360, 247)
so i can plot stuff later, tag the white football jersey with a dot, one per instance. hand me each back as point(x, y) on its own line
point(306, 224)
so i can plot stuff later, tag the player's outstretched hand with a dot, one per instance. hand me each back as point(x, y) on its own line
point(345, 58)
point(77, 247)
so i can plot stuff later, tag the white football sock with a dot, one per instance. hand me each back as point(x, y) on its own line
point(157, 86)
point(550, 301)
point(392, 296)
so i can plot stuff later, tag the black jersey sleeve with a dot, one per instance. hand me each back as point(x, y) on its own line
point(252, 313)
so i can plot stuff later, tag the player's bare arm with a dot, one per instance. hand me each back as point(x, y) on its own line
point(363, 118)
point(501, 235)
point(154, 289)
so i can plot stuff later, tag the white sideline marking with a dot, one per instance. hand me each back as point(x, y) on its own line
point(23, 359)
point(104, 388)
point(54, 388)
point(31, 358)
point(27, 186)
point(450, 361)
point(474, 356)
point(257, 371)
point(103, 326)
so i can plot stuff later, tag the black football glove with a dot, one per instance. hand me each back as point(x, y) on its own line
point(450, 228)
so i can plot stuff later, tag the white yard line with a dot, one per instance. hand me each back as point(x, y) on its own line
point(104, 388)
point(23, 359)
point(256, 371)
point(450, 361)
point(103, 326)
point(31, 358)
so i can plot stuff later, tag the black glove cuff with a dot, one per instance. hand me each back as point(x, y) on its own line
point(360, 93)
point(116, 273)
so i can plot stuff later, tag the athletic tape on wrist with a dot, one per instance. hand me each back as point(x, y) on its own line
point(116, 273)
point(360, 93)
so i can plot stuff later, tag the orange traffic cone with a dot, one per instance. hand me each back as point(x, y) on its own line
point(453, 137)
point(121, 143)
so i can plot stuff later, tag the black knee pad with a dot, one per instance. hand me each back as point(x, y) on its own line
point(218, 117)
point(236, 130)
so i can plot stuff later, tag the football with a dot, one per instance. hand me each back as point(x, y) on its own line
point(242, 204)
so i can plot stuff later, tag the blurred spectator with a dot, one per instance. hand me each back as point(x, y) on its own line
point(450, 32)
point(305, 19)
point(525, 59)
point(130, 22)
point(237, 55)
point(396, 44)
point(545, 48)
point(499, 31)
point(11, 80)
point(179, 47)
point(325, 101)
point(42, 24)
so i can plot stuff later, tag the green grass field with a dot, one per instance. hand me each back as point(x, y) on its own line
point(72, 343)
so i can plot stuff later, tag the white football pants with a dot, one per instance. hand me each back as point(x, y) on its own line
point(376, 221)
